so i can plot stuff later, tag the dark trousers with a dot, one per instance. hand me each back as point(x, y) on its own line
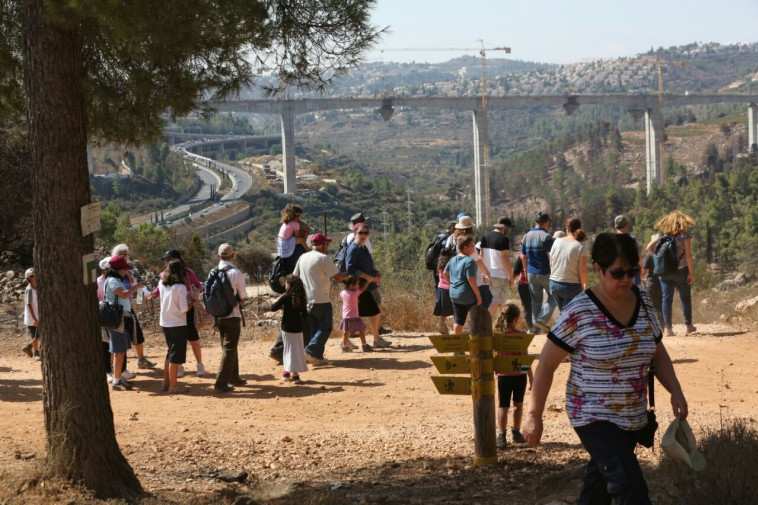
point(229, 369)
point(678, 281)
point(613, 473)
point(320, 319)
point(526, 300)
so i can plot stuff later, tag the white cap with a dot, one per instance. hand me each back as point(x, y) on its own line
point(29, 273)
point(105, 263)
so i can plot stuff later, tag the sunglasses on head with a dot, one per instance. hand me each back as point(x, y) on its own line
point(618, 273)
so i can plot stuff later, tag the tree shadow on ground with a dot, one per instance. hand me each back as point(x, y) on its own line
point(29, 390)
point(380, 361)
point(727, 333)
point(684, 361)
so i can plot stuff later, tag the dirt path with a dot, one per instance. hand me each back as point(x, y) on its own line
point(370, 428)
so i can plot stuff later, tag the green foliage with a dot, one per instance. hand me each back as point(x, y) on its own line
point(194, 253)
point(108, 222)
point(254, 261)
point(146, 242)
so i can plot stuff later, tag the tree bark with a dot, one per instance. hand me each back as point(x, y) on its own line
point(81, 441)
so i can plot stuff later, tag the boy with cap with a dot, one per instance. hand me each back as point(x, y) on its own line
point(30, 314)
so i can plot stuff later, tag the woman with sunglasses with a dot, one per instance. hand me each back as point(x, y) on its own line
point(358, 261)
point(612, 335)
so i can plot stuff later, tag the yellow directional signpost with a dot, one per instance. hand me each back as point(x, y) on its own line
point(480, 364)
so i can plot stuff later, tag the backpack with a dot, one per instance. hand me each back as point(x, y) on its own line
point(218, 293)
point(275, 273)
point(665, 258)
point(449, 249)
point(339, 257)
point(433, 250)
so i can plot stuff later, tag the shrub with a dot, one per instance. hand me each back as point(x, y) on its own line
point(254, 261)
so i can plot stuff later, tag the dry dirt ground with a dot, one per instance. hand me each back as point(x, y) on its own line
point(369, 428)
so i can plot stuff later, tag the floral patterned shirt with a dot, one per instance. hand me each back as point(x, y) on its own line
point(609, 360)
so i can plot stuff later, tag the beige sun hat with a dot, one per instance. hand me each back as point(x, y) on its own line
point(679, 443)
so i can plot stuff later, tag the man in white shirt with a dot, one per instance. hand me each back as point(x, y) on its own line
point(496, 254)
point(230, 327)
point(316, 270)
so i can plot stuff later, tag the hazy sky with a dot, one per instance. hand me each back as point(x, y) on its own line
point(558, 31)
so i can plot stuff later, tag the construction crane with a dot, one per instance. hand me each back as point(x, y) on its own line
point(484, 134)
point(660, 62)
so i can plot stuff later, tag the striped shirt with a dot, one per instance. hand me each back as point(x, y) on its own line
point(609, 360)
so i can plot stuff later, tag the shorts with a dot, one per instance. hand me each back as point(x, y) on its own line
point(176, 340)
point(508, 385)
point(367, 306)
point(32, 331)
point(352, 324)
point(460, 312)
point(120, 342)
point(137, 336)
point(192, 334)
point(499, 290)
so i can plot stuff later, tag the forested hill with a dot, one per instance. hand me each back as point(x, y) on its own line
point(599, 173)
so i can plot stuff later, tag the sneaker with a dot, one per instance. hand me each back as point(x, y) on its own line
point(180, 371)
point(530, 329)
point(690, 329)
point(352, 346)
point(239, 382)
point(126, 374)
point(121, 386)
point(200, 370)
point(226, 388)
point(382, 343)
point(542, 326)
point(367, 348)
point(144, 363)
point(109, 377)
point(347, 348)
point(500, 440)
point(286, 377)
point(442, 328)
point(296, 380)
point(37, 356)
point(517, 437)
point(313, 360)
point(28, 350)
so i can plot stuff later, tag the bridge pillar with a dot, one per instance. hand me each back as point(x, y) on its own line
point(288, 148)
point(480, 129)
point(752, 126)
point(653, 138)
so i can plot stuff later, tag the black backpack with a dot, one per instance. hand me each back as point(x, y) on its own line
point(665, 258)
point(218, 293)
point(275, 273)
point(339, 257)
point(433, 250)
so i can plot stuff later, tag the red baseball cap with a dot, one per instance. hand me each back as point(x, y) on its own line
point(318, 239)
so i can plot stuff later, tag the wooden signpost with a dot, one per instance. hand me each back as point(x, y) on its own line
point(480, 364)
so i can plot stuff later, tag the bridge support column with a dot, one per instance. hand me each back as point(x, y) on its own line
point(653, 138)
point(479, 168)
point(288, 148)
point(752, 126)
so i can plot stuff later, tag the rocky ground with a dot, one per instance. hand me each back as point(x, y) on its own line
point(369, 428)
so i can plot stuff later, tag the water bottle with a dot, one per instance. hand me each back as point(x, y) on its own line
point(141, 295)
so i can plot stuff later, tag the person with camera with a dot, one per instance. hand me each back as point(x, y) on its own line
point(612, 334)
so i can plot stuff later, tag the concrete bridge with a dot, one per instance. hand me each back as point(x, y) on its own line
point(639, 105)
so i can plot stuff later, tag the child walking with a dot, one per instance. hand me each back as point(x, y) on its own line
point(443, 305)
point(351, 322)
point(294, 305)
point(31, 318)
point(510, 384)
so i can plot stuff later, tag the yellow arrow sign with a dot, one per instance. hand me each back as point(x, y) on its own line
point(452, 364)
point(453, 385)
point(513, 364)
point(512, 342)
point(450, 343)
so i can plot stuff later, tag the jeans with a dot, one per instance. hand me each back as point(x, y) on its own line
point(538, 283)
point(613, 472)
point(229, 369)
point(678, 281)
point(564, 292)
point(320, 320)
point(526, 301)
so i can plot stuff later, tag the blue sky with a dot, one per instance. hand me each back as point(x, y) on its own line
point(556, 31)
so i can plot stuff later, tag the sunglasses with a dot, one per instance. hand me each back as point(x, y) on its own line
point(362, 233)
point(618, 273)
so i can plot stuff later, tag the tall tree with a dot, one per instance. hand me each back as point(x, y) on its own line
point(109, 70)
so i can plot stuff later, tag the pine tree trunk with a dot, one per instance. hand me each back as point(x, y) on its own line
point(81, 441)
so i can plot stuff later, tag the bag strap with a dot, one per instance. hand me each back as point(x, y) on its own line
point(651, 386)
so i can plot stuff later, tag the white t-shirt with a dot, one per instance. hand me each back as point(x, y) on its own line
point(174, 305)
point(237, 280)
point(30, 298)
point(316, 269)
point(565, 258)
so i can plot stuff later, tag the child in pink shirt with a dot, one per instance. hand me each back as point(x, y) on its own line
point(350, 320)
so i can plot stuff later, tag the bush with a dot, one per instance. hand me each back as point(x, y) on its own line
point(255, 262)
point(729, 478)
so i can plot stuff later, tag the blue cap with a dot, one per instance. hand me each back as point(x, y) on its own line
point(461, 215)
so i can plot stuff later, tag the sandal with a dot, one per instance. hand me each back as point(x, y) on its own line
point(296, 380)
point(286, 377)
point(347, 348)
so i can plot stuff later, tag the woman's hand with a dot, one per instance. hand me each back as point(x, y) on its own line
point(532, 429)
point(690, 277)
point(679, 404)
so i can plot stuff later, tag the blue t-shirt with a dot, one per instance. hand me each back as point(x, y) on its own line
point(109, 290)
point(460, 269)
point(535, 245)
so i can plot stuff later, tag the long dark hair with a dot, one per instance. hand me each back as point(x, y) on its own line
point(296, 290)
point(507, 317)
point(176, 273)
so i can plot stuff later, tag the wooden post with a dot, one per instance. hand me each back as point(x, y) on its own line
point(483, 386)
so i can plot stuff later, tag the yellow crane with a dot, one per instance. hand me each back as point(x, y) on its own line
point(660, 62)
point(484, 134)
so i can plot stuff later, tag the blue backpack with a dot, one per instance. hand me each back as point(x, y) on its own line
point(665, 257)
